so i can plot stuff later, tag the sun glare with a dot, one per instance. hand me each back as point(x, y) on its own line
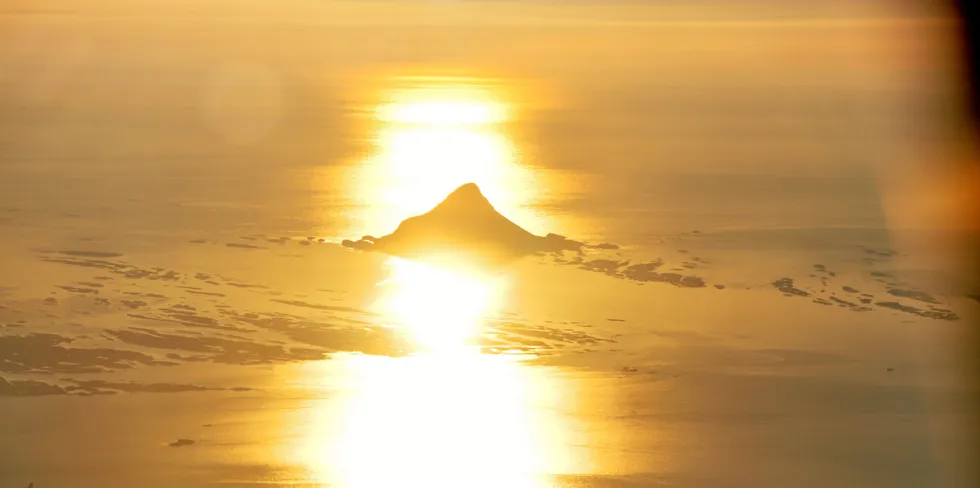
point(443, 103)
point(438, 422)
point(442, 112)
point(439, 309)
point(447, 415)
point(431, 139)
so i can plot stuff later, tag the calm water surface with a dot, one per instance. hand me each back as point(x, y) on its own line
point(172, 196)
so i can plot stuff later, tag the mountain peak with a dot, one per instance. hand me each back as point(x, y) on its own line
point(467, 191)
point(466, 198)
point(467, 188)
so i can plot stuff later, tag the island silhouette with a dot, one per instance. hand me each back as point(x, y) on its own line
point(463, 229)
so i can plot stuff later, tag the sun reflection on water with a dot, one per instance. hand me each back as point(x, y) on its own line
point(446, 415)
point(443, 112)
point(429, 421)
point(441, 309)
point(430, 139)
